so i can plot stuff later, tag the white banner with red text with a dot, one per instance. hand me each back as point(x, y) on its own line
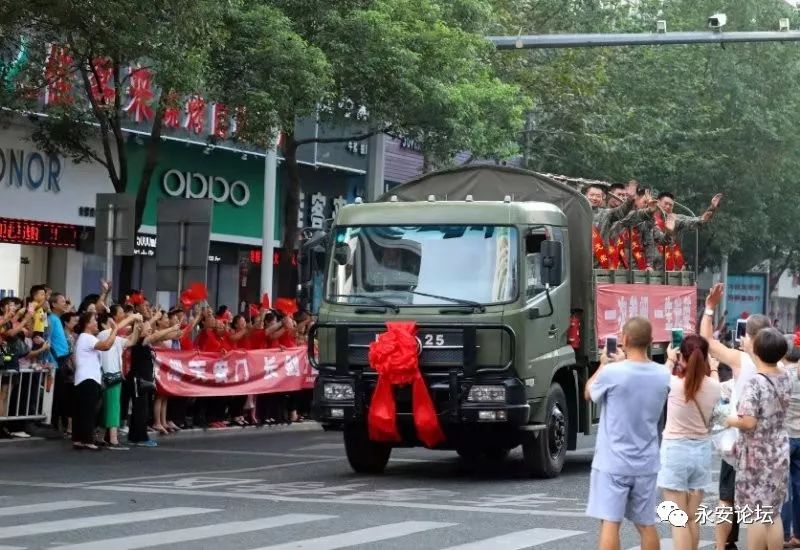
point(199, 374)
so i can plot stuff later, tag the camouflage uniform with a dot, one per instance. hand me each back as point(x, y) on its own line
point(682, 224)
point(685, 223)
point(605, 218)
point(641, 219)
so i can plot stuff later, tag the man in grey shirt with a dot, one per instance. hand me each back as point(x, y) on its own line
point(632, 391)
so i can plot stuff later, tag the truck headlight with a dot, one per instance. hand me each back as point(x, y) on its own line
point(487, 394)
point(338, 392)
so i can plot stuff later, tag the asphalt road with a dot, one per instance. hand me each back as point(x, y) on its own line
point(270, 489)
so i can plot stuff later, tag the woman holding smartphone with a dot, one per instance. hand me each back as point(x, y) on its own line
point(686, 446)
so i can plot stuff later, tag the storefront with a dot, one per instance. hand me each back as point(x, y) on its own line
point(235, 182)
point(45, 202)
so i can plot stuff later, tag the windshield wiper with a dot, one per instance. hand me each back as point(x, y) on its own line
point(475, 305)
point(375, 299)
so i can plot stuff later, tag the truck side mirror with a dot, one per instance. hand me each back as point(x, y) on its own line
point(551, 252)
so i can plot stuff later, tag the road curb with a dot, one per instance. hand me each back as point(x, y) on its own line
point(192, 433)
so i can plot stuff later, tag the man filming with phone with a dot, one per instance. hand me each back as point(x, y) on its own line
point(632, 391)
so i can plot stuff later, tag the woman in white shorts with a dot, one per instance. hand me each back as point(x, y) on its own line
point(686, 446)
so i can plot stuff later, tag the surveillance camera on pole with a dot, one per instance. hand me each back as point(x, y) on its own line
point(717, 21)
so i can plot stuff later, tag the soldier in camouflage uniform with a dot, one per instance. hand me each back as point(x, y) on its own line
point(674, 225)
point(641, 219)
point(605, 217)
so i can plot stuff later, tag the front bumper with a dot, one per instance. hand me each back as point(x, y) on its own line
point(448, 377)
point(449, 398)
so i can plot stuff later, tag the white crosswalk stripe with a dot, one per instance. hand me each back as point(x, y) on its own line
point(57, 526)
point(195, 533)
point(47, 507)
point(666, 544)
point(323, 533)
point(518, 540)
point(361, 536)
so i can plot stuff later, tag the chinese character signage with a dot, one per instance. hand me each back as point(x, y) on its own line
point(746, 293)
point(314, 209)
point(666, 307)
point(194, 374)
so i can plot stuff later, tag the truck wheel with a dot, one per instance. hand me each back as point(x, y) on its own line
point(365, 456)
point(545, 451)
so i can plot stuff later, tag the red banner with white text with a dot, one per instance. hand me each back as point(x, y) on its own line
point(198, 374)
point(666, 307)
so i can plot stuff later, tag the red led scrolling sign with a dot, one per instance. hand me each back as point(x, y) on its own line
point(38, 233)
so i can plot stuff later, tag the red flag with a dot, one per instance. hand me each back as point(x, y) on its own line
point(286, 305)
point(197, 292)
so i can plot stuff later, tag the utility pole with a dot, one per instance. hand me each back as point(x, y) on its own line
point(268, 219)
point(724, 281)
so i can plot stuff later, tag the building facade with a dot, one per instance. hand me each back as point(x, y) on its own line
point(45, 206)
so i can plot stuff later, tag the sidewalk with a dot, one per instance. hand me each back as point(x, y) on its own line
point(41, 435)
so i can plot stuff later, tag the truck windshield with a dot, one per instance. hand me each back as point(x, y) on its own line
point(475, 263)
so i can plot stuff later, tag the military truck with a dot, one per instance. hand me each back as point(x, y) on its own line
point(495, 266)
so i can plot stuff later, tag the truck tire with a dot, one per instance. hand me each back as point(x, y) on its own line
point(545, 451)
point(365, 456)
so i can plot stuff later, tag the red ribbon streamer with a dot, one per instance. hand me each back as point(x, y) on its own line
point(674, 255)
point(600, 251)
point(394, 355)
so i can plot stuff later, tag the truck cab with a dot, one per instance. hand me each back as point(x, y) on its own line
point(494, 266)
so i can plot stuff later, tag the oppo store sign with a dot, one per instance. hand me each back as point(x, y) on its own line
point(194, 185)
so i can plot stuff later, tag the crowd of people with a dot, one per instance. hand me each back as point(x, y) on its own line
point(101, 355)
point(636, 464)
point(634, 230)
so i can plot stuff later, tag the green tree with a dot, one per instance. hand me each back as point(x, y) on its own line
point(98, 36)
point(421, 69)
point(694, 120)
point(188, 46)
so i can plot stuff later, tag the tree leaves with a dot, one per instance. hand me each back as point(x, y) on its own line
point(692, 119)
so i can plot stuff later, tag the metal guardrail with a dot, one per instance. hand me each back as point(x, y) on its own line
point(22, 394)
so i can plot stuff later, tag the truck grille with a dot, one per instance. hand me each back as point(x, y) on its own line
point(441, 349)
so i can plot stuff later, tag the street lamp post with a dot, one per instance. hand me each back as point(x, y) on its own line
point(591, 40)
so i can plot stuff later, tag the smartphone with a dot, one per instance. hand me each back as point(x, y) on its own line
point(677, 338)
point(741, 329)
point(611, 345)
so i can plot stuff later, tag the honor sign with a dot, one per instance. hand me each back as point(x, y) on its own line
point(193, 185)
